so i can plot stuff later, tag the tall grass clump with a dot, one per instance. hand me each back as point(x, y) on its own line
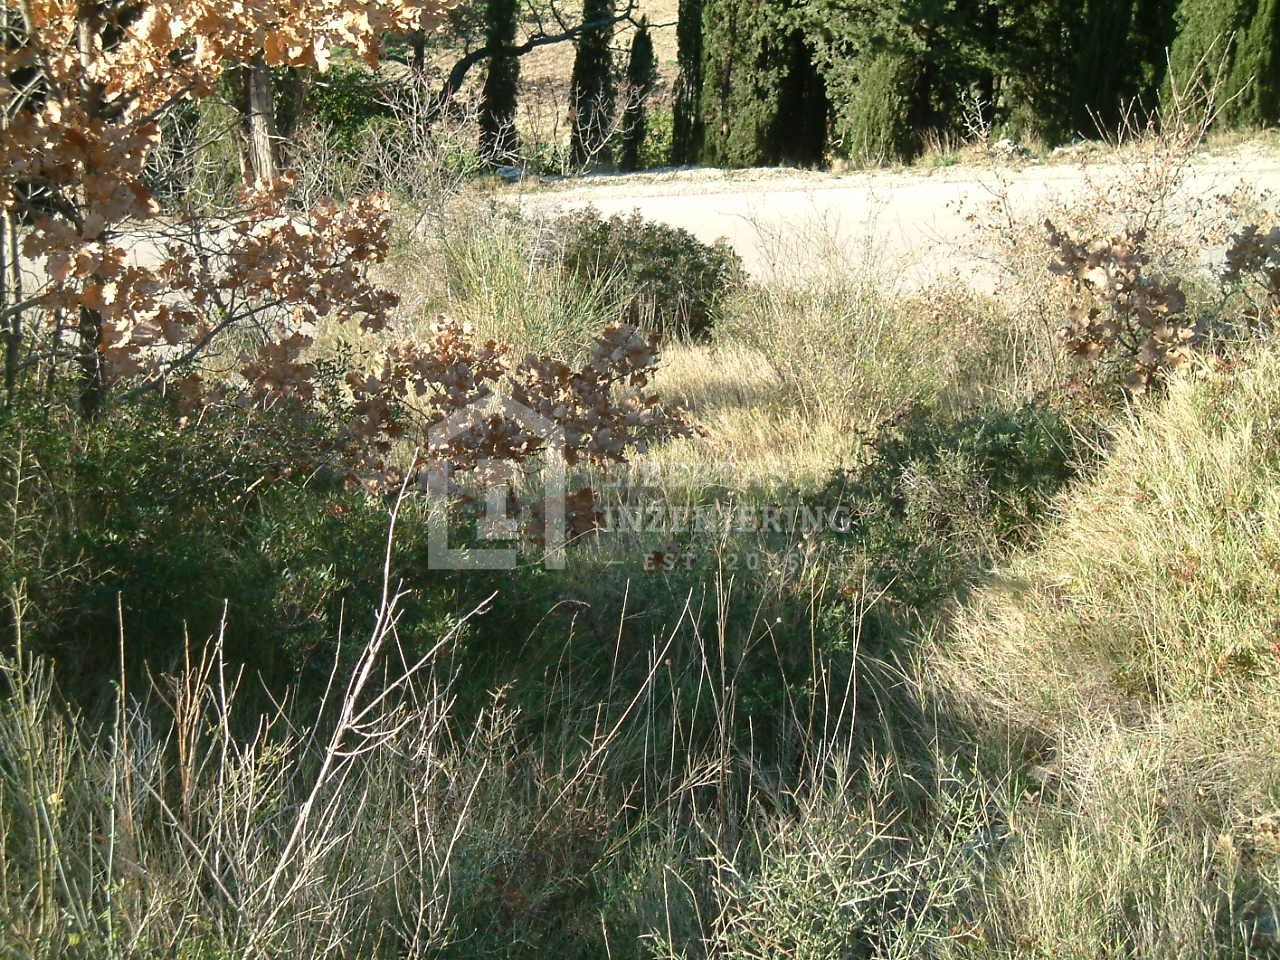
point(202, 817)
point(851, 345)
point(481, 265)
point(1161, 566)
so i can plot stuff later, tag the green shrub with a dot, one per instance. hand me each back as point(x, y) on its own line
point(875, 124)
point(941, 498)
point(174, 529)
point(345, 101)
point(1237, 42)
point(658, 140)
point(485, 259)
point(673, 282)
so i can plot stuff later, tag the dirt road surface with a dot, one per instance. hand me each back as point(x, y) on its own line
point(912, 224)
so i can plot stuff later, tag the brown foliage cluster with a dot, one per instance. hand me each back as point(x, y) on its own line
point(598, 424)
point(1119, 307)
point(600, 409)
point(1253, 268)
point(127, 294)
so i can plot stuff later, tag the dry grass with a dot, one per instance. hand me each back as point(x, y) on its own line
point(1136, 646)
point(1157, 589)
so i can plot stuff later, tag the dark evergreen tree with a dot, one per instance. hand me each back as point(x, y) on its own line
point(686, 140)
point(778, 79)
point(591, 90)
point(877, 129)
point(763, 100)
point(1204, 48)
point(1120, 54)
point(1256, 69)
point(498, 136)
point(1154, 29)
point(1237, 42)
point(1034, 62)
point(894, 70)
point(642, 74)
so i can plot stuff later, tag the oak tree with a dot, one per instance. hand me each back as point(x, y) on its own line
point(125, 292)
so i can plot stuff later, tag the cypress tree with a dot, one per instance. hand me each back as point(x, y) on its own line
point(741, 77)
point(871, 70)
point(591, 90)
point(1238, 40)
point(1036, 44)
point(642, 73)
point(1101, 62)
point(763, 100)
point(1256, 69)
point(1154, 28)
point(686, 141)
point(877, 127)
point(896, 69)
point(1205, 37)
point(1119, 56)
point(498, 137)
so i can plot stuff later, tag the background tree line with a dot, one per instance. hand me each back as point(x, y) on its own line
point(769, 81)
point(807, 81)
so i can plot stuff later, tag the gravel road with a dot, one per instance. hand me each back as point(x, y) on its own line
point(912, 223)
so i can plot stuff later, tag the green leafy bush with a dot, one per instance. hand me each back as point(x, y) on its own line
point(659, 135)
point(672, 282)
point(173, 529)
point(875, 125)
point(345, 101)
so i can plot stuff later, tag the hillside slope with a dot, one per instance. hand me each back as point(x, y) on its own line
point(1136, 651)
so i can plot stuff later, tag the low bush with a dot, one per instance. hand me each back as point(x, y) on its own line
point(942, 498)
point(659, 135)
point(673, 282)
point(874, 127)
point(347, 101)
point(163, 520)
point(164, 530)
point(481, 257)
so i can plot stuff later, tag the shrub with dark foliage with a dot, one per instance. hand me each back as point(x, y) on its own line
point(672, 282)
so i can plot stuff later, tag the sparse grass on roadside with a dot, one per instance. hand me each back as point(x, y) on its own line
point(480, 265)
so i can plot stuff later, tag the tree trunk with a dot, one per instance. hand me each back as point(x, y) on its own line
point(11, 296)
point(89, 329)
point(92, 379)
point(418, 44)
point(262, 136)
point(9, 255)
